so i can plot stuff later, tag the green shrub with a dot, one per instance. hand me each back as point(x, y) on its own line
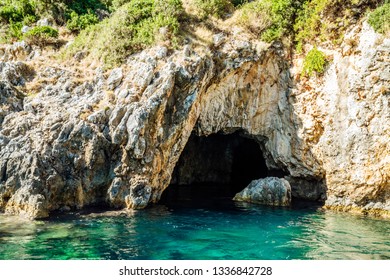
point(14, 14)
point(282, 12)
point(10, 13)
point(327, 20)
point(14, 31)
point(16, 11)
point(116, 4)
point(315, 61)
point(132, 27)
point(77, 15)
point(172, 8)
point(269, 19)
point(41, 35)
point(308, 22)
point(379, 19)
point(255, 16)
point(217, 8)
point(237, 3)
point(79, 22)
point(29, 19)
point(85, 6)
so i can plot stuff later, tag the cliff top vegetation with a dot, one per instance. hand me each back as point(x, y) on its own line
point(111, 30)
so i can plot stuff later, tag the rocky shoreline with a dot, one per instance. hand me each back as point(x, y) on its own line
point(116, 138)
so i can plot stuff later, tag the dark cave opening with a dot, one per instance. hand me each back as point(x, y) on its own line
point(215, 167)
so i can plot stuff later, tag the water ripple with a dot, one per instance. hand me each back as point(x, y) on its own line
point(244, 232)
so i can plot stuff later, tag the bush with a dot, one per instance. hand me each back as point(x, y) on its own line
point(10, 14)
point(41, 35)
point(116, 4)
point(84, 6)
point(132, 27)
point(308, 25)
point(217, 8)
point(14, 31)
point(79, 22)
point(282, 12)
point(77, 15)
point(14, 14)
point(268, 19)
point(255, 16)
point(327, 20)
point(238, 2)
point(379, 19)
point(315, 61)
point(16, 11)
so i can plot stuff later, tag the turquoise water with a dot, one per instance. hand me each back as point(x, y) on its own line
point(220, 232)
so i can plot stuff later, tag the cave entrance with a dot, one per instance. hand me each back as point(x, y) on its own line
point(215, 167)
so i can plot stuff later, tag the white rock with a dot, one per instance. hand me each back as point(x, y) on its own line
point(26, 29)
point(115, 78)
point(44, 22)
point(268, 191)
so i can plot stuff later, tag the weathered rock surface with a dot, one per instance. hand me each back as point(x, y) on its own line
point(11, 100)
point(345, 119)
point(268, 191)
point(117, 141)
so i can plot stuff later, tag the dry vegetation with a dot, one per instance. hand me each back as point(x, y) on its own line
point(129, 26)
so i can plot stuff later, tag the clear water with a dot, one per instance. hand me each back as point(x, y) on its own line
point(220, 232)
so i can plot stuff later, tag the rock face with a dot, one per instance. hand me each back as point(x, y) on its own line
point(345, 119)
point(118, 140)
point(269, 191)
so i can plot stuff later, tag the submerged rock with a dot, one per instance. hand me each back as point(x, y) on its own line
point(268, 191)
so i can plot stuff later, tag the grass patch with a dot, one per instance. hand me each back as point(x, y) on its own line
point(132, 27)
point(379, 19)
point(216, 8)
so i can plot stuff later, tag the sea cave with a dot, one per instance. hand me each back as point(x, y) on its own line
point(216, 167)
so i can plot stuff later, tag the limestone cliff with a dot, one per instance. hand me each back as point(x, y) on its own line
point(116, 138)
point(345, 117)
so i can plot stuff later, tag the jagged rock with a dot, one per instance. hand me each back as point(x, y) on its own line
point(76, 143)
point(115, 78)
point(15, 73)
point(11, 100)
point(187, 50)
point(161, 52)
point(44, 22)
point(346, 123)
point(268, 191)
point(16, 51)
point(312, 190)
point(26, 29)
point(219, 39)
point(79, 55)
point(102, 14)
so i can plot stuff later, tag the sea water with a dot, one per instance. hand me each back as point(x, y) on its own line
point(223, 231)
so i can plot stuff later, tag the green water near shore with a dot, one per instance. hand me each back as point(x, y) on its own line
point(236, 231)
